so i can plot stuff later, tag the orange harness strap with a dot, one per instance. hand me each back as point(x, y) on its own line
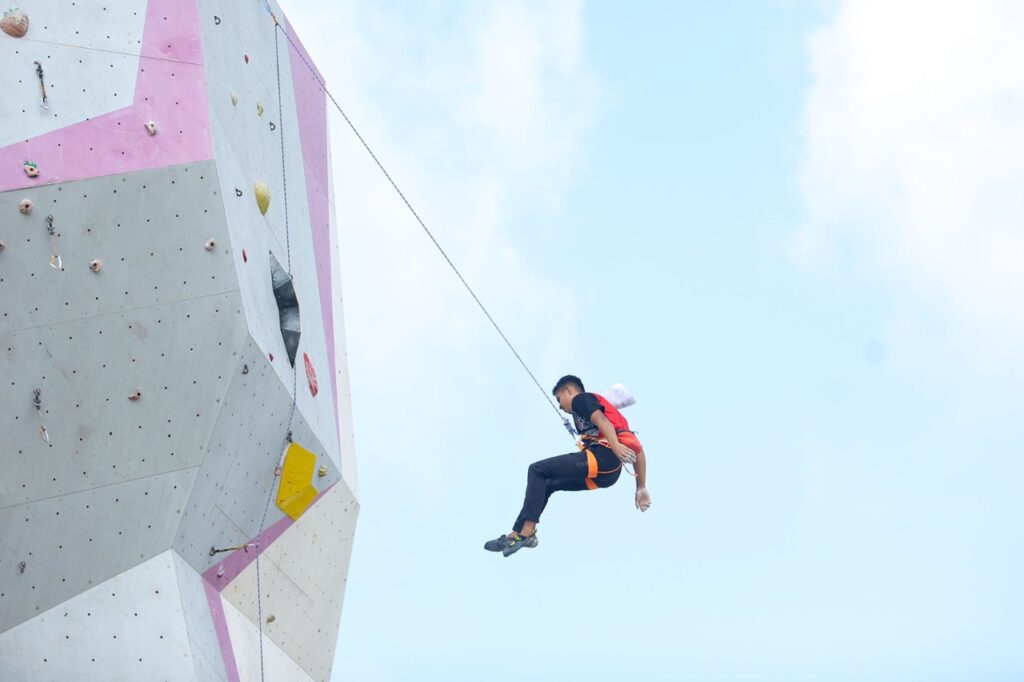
point(593, 472)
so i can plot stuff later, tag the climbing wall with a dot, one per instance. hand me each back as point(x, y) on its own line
point(170, 321)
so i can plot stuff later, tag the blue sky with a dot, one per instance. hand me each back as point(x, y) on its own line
point(793, 229)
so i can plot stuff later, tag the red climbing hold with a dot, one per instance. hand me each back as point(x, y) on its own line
point(246, 59)
point(310, 374)
point(271, 356)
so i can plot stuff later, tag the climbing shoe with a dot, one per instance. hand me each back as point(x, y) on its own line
point(517, 543)
point(498, 544)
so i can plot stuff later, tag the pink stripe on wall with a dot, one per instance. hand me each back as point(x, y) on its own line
point(171, 93)
point(311, 103)
point(232, 566)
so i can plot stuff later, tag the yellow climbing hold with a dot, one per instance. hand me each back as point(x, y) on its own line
point(259, 109)
point(296, 492)
point(262, 191)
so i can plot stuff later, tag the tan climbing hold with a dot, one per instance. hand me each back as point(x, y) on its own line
point(262, 191)
point(323, 471)
point(31, 168)
point(136, 395)
point(151, 128)
point(209, 245)
point(14, 23)
point(271, 618)
point(96, 265)
point(25, 206)
point(259, 109)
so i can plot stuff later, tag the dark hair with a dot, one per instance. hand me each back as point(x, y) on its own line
point(568, 380)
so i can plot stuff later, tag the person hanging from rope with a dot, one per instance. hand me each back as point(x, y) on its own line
point(607, 444)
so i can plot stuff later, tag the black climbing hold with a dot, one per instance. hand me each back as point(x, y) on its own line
point(287, 306)
point(238, 192)
point(216, 19)
point(272, 126)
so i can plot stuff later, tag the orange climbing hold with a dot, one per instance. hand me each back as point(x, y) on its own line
point(310, 375)
point(14, 23)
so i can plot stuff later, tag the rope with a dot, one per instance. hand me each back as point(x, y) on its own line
point(291, 411)
point(483, 308)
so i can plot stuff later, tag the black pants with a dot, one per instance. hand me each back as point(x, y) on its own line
point(564, 472)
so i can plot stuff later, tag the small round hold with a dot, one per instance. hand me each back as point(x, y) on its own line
point(209, 245)
point(14, 23)
point(31, 168)
point(25, 206)
point(95, 265)
point(271, 618)
point(151, 128)
point(323, 471)
point(136, 395)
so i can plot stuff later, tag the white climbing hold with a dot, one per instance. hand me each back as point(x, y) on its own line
point(95, 265)
point(209, 245)
point(151, 128)
point(234, 99)
point(44, 434)
point(220, 571)
point(31, 168)
point(14, 23)
point(25, 206)
point(262, 191)
point(323, 471)
point(136, 395)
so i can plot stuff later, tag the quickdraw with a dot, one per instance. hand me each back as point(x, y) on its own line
point(37, 402)
point(43, 101)
point(55, 262)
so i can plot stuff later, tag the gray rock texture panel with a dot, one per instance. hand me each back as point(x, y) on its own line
point(73, 542)
point(130, 627)
point(179, 356)
point(148, 229)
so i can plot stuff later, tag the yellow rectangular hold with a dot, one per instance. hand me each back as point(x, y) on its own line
point(296, 492)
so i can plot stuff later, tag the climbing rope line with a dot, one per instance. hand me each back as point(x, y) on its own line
point(291, 411)
point(444, 254)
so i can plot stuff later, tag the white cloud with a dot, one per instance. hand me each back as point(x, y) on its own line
point(913, 169)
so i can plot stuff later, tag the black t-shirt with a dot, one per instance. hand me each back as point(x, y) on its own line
point(583, 406)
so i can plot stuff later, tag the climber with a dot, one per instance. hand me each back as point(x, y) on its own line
point(607, 444)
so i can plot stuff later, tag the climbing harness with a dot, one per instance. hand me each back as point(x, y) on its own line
point(43, 101)
point(55, 261)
